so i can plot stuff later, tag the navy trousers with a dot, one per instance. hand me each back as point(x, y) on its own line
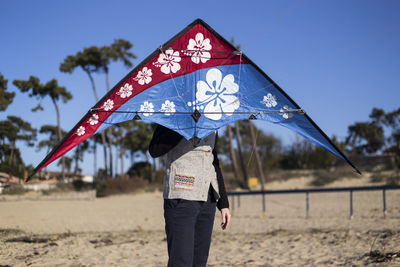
point(188, 225)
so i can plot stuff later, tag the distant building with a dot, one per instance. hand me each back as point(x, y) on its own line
point(88, 178)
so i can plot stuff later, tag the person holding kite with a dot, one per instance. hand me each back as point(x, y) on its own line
point(193, 188)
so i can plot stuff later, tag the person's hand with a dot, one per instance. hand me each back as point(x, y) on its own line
point(226, 218)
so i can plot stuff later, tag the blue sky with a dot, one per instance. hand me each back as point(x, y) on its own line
point(336, 59)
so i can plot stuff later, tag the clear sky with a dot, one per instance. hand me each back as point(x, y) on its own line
point(336, 59)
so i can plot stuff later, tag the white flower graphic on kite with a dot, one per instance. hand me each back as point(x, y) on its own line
point(147, 108)
point(94, 119)
point(108, 105)
point(269, 100)
point(125, 91)
point(168, 61)
point(144, 76)
point(168, 107)
point(80, 131)
point(198, 48)
point(218, 94)
point(285, 112)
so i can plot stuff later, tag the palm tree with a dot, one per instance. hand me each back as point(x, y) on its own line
point(50, 89)
point(90, 61)
point(116, 52)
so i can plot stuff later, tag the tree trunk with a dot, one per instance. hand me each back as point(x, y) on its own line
point(151, 169)
point(110, 152)
point(103, 140)
point(243, 165)
point(259, 165)
point(76, 159)
point(59, 135)
point(122, 153)
point(13, 146)
point(233, 154)
point(103, 135)
point(93, 86)
point(107, 81)
point(109, 131)
point(117, 152)
point(95, 158)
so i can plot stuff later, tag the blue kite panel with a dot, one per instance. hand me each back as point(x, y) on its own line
point(222, 95)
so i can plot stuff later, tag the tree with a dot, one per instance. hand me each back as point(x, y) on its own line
point(97, 59)
point(96, 139)
point(50, 89)
point(15, 129)
point(6, 98)
point(232, 153)
point(268, 147)
point(90, 61)
point(137, 140)
point(117, 51)
point(12, 130)
point(78, 155)
point(367, 137)
point(67, 162)
point(52, 140)
point(392, 121)
point(258, 160)
point(241, 158)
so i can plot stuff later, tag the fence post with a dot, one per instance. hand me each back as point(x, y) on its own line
point(263, 202)
point(238, 197)
point(384, 203)
point(233, 202)
point(351, 204)
point(307, 205)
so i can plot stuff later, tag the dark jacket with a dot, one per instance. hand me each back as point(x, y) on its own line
point(165, 139)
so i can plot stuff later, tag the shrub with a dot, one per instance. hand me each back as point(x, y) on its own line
point(324, 177)
point(119, 186)
point(15, 190)
point(80, 185)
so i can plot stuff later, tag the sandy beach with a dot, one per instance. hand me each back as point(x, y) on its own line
point(77, 229)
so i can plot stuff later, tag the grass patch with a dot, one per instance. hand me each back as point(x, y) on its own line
point(10, 231)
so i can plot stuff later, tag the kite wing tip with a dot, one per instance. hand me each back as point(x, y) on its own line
point(29, 177)
point(32, 174)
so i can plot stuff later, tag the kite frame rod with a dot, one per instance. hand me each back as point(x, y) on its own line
point(202, 51)
point(299, 111)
